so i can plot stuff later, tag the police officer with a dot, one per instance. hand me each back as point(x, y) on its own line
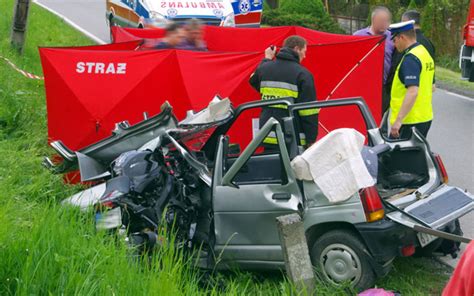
point(412, 87)
point(420, 38)
point(284, 77)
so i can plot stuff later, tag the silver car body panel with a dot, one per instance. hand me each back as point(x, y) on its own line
point(217, 110)
point(403, 219)
point(319, 210)
point(90, 168)
point(86, 198)
point(245, 215)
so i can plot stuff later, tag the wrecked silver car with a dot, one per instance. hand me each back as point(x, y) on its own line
point(225, 201)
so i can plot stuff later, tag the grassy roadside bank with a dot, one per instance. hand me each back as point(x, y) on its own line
point(451, 80)
point(47, 249)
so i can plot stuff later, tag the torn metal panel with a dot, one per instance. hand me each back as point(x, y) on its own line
point(86, 198)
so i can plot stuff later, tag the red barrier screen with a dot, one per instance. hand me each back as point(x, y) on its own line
point(89, 89)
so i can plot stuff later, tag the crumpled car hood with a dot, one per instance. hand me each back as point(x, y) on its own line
point(94, 160)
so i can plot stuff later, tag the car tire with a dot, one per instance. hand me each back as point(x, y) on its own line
point(335, 251)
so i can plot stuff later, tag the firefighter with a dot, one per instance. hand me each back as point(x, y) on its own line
point(412, 88)
point(284, 77)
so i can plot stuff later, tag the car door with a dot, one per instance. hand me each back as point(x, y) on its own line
point(249, 192)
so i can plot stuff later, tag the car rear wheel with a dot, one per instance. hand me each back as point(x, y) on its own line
point(341, 257)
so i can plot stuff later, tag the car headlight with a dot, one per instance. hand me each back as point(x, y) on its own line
point(229, 20)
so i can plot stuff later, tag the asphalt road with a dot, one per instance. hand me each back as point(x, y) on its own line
point(88, 16)
point(451, 135)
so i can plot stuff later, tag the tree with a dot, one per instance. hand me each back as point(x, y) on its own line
point(306, 13)
point(412, 5)
point(20, 21)
point(442, 21)
point(308, 7)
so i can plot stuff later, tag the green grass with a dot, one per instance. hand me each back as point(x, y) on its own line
point(448, 62)
point(453, 80)
point(449, 74)
point(46, 249)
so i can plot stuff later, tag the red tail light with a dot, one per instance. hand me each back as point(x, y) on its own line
point(408, 250)
point(108, 205)
point(442, 169)
point(372, 203)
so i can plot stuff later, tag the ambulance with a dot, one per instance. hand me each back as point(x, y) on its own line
point(248, 13)
point(158, 13)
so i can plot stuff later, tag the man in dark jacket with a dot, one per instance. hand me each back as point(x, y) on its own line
point(411, 15)
point(284, 77)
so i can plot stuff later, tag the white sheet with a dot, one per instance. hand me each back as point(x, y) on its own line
point(335, 164)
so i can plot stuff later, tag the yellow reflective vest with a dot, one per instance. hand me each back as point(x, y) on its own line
point(422, 110)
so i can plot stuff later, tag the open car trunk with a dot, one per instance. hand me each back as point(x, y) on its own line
point(401, 171)
point(409, 181)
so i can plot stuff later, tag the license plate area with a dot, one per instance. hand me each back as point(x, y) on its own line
point(109, 219)
point(425, 239)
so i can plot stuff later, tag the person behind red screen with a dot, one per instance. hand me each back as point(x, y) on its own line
point(462, 280)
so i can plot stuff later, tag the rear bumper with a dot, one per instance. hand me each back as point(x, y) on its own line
point(385, 239)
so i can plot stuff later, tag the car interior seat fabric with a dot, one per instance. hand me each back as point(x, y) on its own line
point(335, 164)
point(370, 156)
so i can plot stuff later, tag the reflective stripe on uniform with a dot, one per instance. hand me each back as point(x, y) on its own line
point(279, 84)
point(270, 93)
point(279, 106)
point(271, 138)
point(272, 90)
point(308, 112)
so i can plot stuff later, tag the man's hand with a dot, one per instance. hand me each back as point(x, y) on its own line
point(270, 52)
point(395, 130)
point(433, 88)
point(408, 102)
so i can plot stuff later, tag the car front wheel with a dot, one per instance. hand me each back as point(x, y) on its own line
point(341, 257)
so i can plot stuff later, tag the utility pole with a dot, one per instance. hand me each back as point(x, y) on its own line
point(20, 18)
